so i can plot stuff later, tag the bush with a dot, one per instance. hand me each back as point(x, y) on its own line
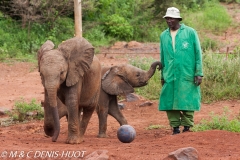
point(26, 42)
point(230, 1)
point(119, 27)
point(208, 44)
point(97, 37)
point(26, 111)
point(221, 77)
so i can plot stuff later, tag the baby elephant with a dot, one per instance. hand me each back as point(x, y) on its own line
point(119, 80)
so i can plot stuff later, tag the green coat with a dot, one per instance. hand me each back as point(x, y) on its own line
point(179, 91)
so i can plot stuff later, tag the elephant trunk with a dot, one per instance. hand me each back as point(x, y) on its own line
point(52, 97)
point(56, 124)
point(152, 69)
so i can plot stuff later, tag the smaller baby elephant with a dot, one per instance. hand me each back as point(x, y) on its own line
point(119, 80)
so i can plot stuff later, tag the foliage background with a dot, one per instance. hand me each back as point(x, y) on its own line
point(32, 22)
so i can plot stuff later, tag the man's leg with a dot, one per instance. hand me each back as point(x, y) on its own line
point(174, 120)
point(187, 120)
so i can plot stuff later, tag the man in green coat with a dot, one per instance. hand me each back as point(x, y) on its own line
point(181, 75)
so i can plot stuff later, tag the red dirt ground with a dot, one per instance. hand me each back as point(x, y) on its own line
point(22, 80)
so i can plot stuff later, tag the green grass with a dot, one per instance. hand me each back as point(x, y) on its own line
point(155, 126)
point(221, 77)
point(20, 44)
point(213, 18)
point(24, 111)
point(224, 121)
point(209, 44)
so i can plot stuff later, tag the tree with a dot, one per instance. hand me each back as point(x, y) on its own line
point(35, 10)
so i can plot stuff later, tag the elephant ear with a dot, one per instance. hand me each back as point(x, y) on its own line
point(115, 83)
point(79, 53)
point(47, 46)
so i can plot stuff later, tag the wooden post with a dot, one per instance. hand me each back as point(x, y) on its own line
point(227, 52)
point(78, 18)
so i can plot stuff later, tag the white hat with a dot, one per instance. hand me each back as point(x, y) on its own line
point(173, 13)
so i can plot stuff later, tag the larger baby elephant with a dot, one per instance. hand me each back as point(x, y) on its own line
point(71, 77)
point(119, 80)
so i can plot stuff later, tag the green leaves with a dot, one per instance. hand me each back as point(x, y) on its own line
point(26, 111)
point(118, 26)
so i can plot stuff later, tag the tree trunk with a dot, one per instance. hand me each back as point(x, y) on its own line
point(78, 18)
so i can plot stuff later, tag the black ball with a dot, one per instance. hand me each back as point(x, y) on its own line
point(126, 133)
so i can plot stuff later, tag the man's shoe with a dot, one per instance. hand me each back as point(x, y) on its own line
point(186, 129)
point(176, 130)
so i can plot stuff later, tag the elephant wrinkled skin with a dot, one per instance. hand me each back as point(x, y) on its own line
point(119, 80)
point(71, 77)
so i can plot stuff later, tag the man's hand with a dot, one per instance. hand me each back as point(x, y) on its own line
point(162, 82)
point(197, 80)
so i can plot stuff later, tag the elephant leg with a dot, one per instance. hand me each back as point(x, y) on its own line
point(72, 102)
point(62, 109)
point(102, 112)
point(115, 111)
point(87, 114)
point(102, 116)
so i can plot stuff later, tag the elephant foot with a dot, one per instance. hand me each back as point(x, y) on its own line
point(74, 140)
point(102, 135)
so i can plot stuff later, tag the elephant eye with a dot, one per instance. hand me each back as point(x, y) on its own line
point(138, 74)
point(62, 75)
